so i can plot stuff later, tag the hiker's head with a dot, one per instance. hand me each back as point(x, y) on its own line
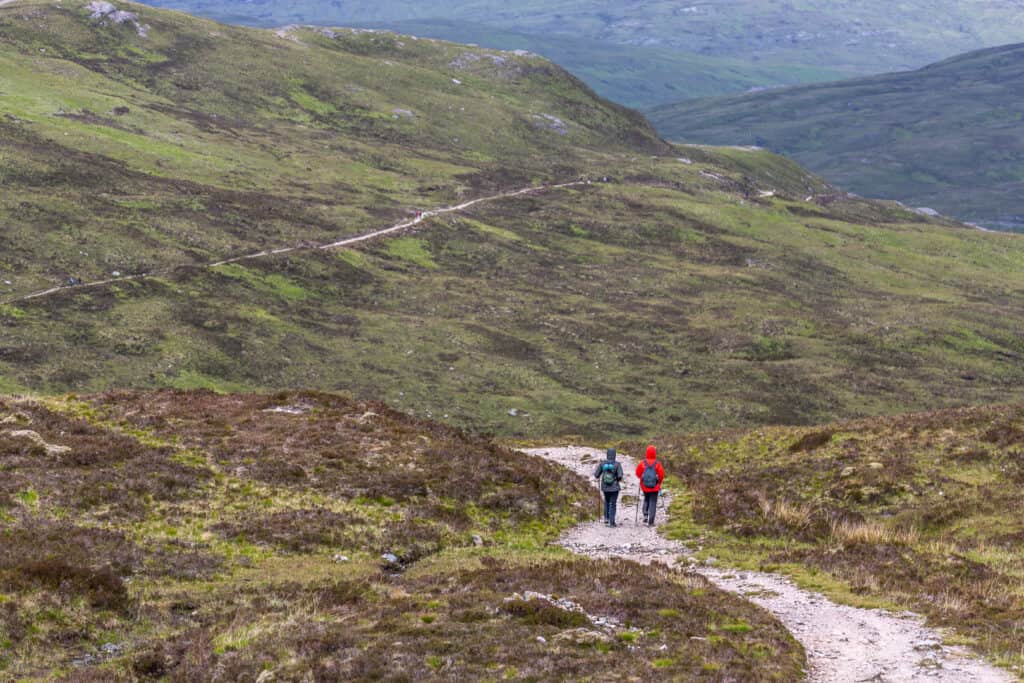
point(652, 453)
point(611, 453)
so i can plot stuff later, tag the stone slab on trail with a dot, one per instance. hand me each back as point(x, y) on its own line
point(844, 644)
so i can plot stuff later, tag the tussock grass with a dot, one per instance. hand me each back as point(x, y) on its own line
point(872, 533)
point(915, 511)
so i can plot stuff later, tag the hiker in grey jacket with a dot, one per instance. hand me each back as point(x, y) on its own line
point(609, 474)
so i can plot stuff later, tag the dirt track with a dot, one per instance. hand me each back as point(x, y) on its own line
point(844, 644)
point(347, 242)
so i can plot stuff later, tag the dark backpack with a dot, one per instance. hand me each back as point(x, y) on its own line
point(650, 476)
point(608, 477)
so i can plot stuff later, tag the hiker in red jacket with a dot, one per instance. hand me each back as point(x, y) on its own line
point(651, 474)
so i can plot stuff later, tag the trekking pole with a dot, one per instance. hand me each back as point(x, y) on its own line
point(636, 517)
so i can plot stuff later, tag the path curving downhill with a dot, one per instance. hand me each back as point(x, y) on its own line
point(843, 644)
point(347, 242)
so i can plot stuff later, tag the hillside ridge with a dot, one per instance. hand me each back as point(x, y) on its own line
point(941, 137)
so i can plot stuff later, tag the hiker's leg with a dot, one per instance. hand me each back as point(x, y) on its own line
point(650, 503)
point(607, 505)
point(613, 500)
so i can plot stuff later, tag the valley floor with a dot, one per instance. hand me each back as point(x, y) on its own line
point(842, 643)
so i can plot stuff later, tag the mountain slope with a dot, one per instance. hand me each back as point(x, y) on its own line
point(945, 137)
point(813, 36)
point(329, 134)
point(685, 287)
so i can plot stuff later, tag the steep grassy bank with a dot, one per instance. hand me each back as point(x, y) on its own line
point(944, 137)
point(191, 536)
point(919, 511)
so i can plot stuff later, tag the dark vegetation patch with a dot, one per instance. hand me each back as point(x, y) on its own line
point(295, 530)
point(349, 448)
point(919, 509)
point(67, 562)
point(185, 504)
point(66, 462)
point(469, 625)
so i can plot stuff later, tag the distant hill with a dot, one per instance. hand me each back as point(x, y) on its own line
point(684, 287)
point(947, 136)
point(636, 76)
point(714, 46)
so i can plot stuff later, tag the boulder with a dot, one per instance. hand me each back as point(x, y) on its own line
point(582, 637)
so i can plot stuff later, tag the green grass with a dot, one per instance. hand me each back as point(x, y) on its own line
point(413, 250)
point(942, 137)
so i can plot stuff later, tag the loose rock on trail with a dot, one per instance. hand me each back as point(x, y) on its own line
point(843, 644)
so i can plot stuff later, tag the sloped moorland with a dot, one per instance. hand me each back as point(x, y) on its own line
point(945, 137)
point(686, 288)
point(192, 532)
point(918, 511)
point(195, 536)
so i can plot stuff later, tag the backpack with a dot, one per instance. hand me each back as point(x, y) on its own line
point(608, 477)
point(650, 476)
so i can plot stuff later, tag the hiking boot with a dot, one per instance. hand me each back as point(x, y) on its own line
point(612, 524)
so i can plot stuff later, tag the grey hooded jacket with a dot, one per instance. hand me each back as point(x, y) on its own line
point(605, 488)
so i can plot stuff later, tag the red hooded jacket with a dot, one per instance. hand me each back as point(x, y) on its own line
point(652, 458)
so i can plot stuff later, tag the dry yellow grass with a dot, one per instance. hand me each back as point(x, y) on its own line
point(872, 533)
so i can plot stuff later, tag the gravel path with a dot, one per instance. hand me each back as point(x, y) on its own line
point(844, 644)
point(347, 242)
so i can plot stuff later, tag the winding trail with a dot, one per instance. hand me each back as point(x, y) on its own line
point(346, 242)
point(843, 644)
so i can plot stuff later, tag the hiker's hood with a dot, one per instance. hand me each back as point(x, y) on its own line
point(652, 454)
point(611, 455)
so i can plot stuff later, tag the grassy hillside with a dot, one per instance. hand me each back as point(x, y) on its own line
point(687, 288)
point(178, 536)
point(918, 511)
point(945, 137)
point(811, 37)
point(166, 151)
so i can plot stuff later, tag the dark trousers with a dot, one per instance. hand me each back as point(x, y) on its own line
point(611, 502)
point(650, 506)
